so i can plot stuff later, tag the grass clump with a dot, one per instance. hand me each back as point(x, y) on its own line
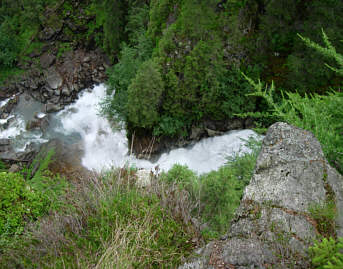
point(324, 216)
point(216, 195)
point(106, 222)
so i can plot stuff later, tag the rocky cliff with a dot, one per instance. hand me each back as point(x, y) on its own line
point(274, 226)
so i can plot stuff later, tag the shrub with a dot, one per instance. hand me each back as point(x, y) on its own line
point(23, 201)
point(327, 254)
point(106, 223)
point(183, 178)
point(9, 47)
point(220, 195)
point(322, 115)
point(19, 203)
point(216, 195)
point(144, 96)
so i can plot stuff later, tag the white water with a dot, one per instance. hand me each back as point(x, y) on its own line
point(104, 147)
point(14, 126)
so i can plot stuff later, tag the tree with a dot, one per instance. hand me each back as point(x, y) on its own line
point(144, 96)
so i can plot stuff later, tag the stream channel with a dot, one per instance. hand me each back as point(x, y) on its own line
point(104, 147)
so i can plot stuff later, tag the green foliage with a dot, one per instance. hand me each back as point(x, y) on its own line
point(222, 190)
point(218, 193)
point(324, 216)
point(322, 115)
point(144, 96)
point(183, 177)
point(131, 58)
point(160, 10)
point(327, 254)
point(2, 167)
point(9, 46)
point(108, 223)
point(329, 51)
point(221, 193)
point(17, 202)
point(306, 70)
point(22, 201)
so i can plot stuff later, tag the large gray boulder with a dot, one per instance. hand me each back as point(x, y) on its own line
point(273, 226)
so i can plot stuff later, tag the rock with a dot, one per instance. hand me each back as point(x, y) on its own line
point(273, 226)
point(65, 91)
point(197, 133)
point(14, 168)
point(41, 123)
point(65, 161)
point(47, 59)
point(86, 59)
point(4, 142)
point(50, 107)
point(235, 124)
point(53, 78)
point(212, 133)
point(143, 178)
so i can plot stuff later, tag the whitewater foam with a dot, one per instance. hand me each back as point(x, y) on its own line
point(105, 147)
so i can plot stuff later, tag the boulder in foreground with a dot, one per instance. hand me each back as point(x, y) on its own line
point(273, 226)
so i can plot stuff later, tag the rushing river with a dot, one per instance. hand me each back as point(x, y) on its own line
point(104, 147)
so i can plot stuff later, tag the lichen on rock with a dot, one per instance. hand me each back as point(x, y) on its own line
point(273, 225)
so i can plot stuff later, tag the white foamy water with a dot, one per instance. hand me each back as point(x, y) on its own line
point(106, 148)
point(14, 126)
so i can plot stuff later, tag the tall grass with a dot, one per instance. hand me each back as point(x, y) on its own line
point(106, 222)
point(215, 196)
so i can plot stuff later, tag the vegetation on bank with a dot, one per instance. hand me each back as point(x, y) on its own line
point(106, 221)
point(199, 50)
point(177, 64)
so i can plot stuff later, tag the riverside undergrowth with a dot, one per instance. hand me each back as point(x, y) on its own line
point(107, 221)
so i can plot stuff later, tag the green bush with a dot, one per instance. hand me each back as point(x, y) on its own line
point(9, 46)
point(218, 193)
point(25, 200)
point(184, 178)
point(327, 254)
point(19, 203)
point(144, 96)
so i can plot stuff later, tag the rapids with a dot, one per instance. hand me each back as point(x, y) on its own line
point(105, 147)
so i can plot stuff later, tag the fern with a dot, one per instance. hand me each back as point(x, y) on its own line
point(328, 51)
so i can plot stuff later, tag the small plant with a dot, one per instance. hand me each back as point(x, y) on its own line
point(25, 200)
point(327, 254)
point(324, 216)
point(2, 167)
point(183, 178)
point(19, 203)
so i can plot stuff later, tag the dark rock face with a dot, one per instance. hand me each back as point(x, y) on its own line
point(60, 80)
point(144, 145)
point(10, 156)
point(273, 226)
